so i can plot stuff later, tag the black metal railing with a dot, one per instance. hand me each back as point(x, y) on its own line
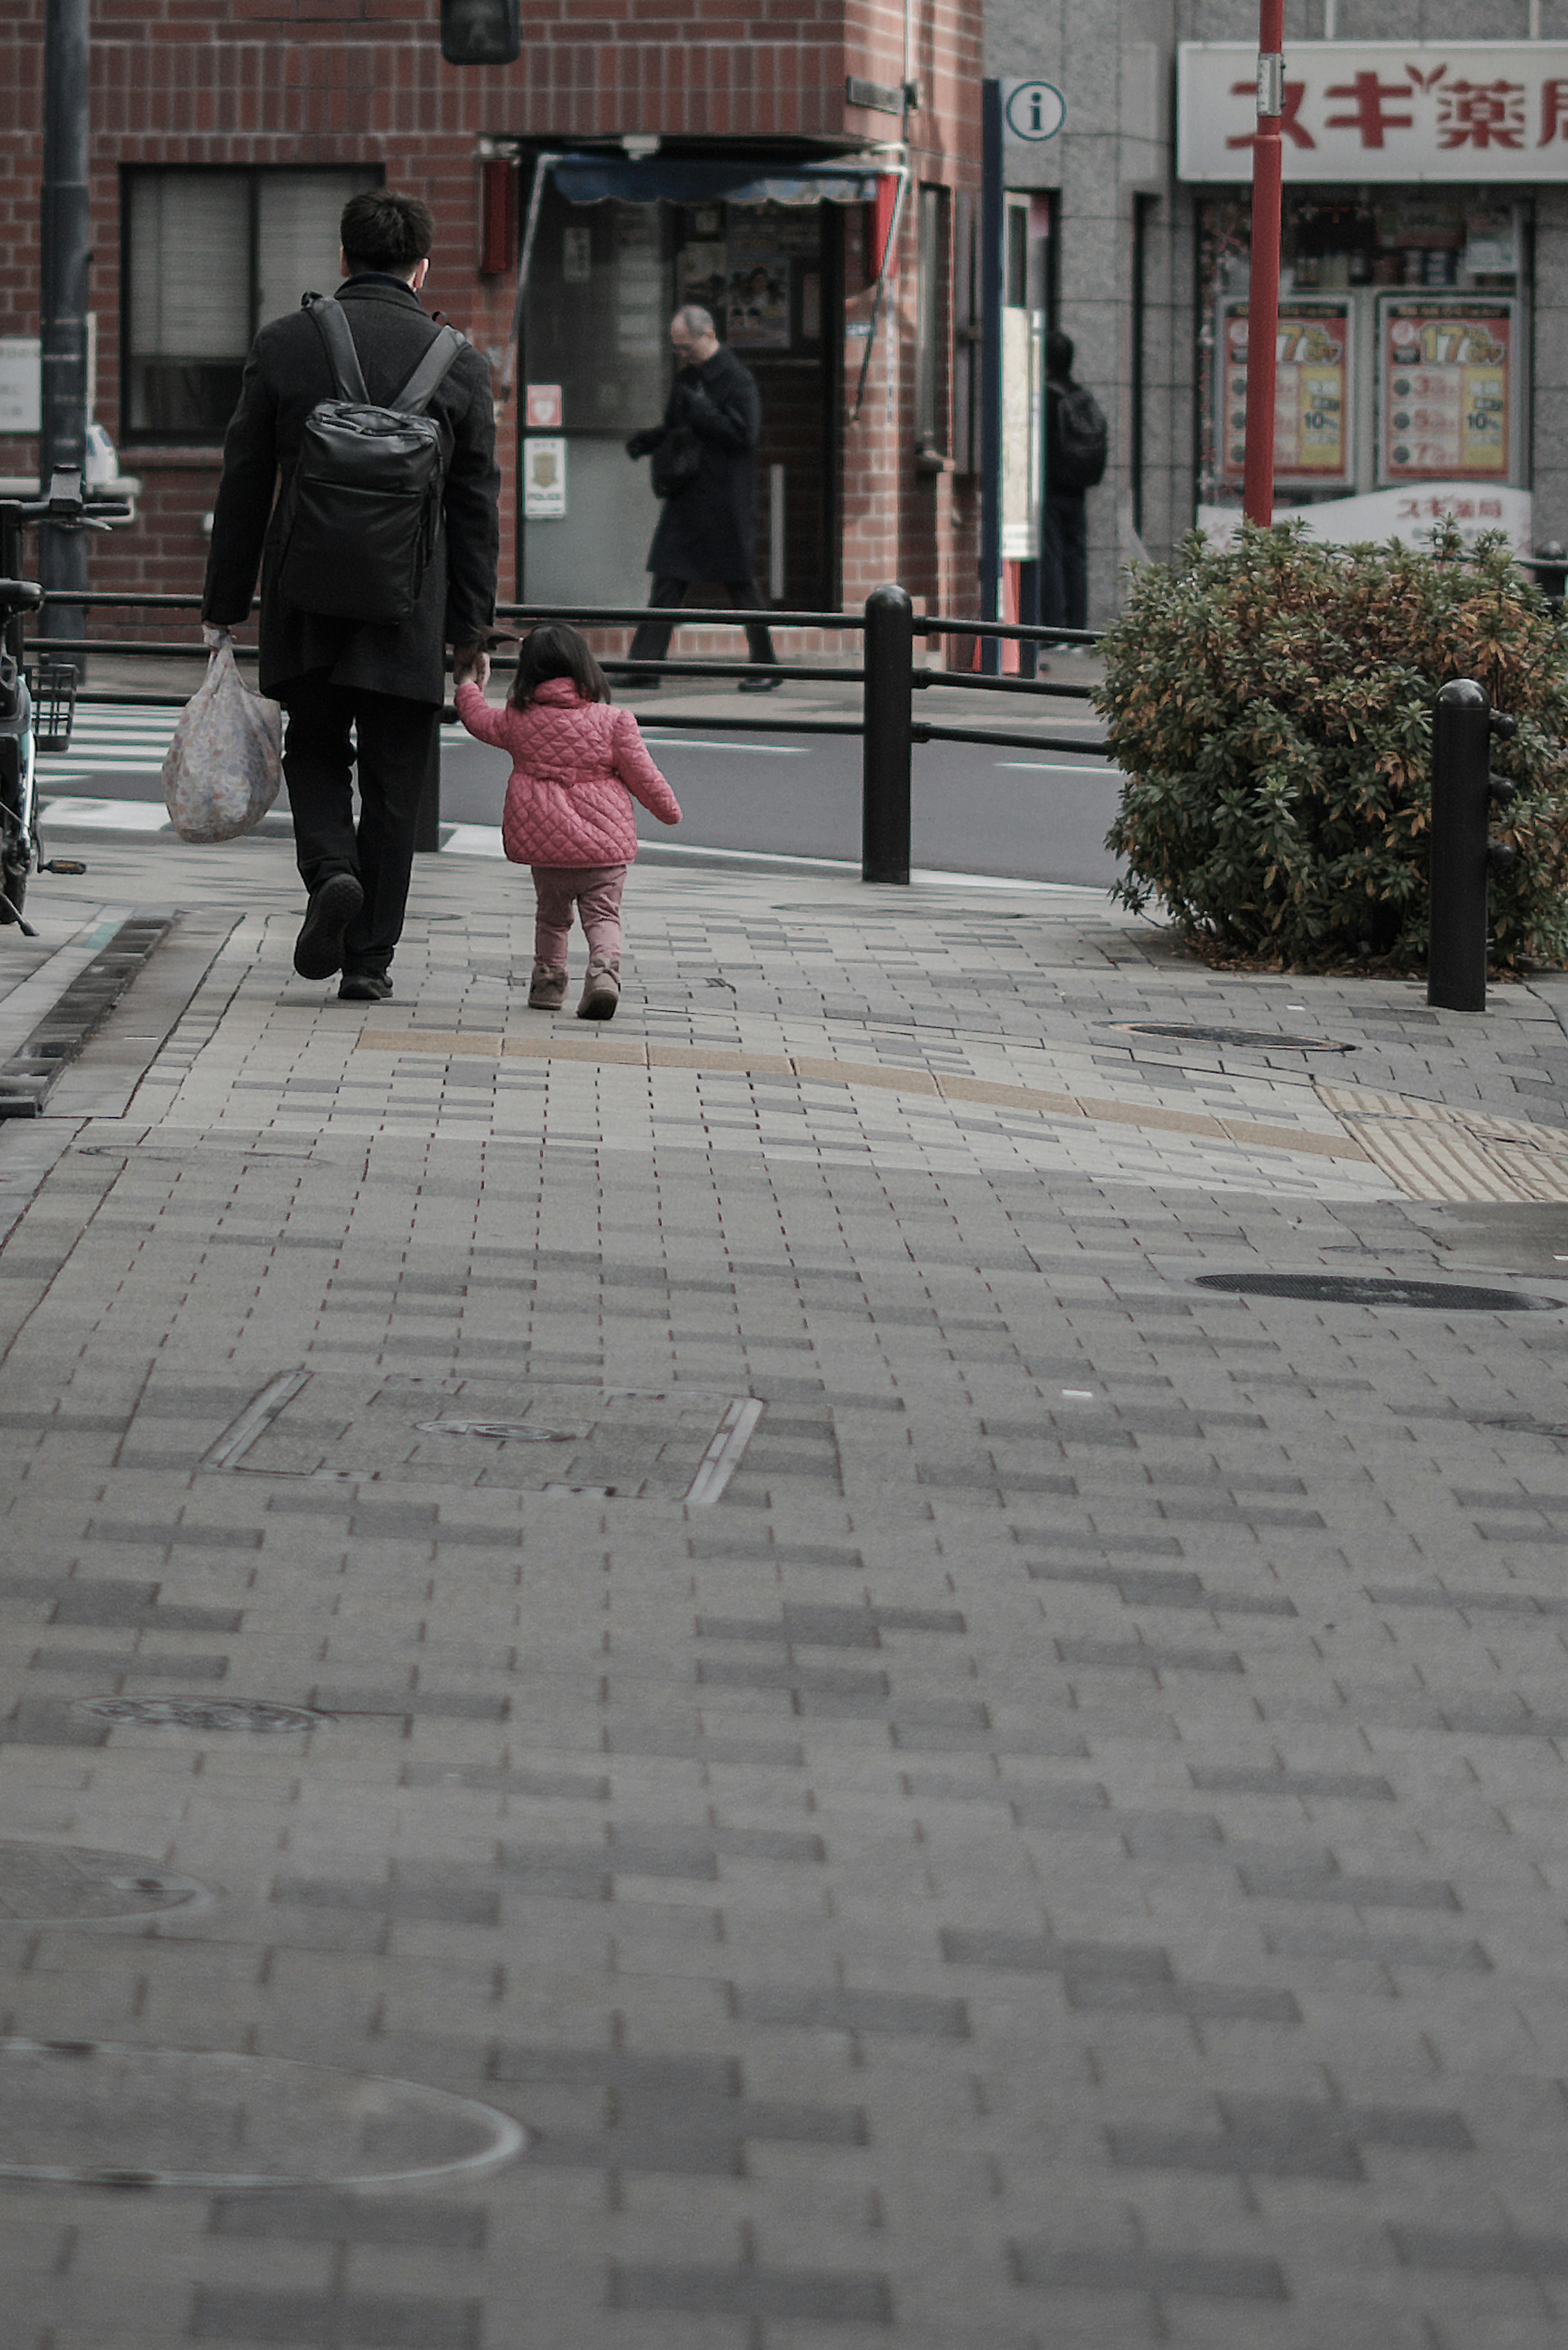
point(887, 675)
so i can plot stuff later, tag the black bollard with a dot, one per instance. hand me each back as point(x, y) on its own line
point(889, 665)
point(1462, 790)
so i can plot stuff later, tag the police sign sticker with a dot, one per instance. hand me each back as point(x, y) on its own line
point(1032, 112)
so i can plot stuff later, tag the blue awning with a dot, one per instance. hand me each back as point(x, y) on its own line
point(671, 180)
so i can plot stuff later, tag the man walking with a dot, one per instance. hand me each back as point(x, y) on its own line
point(383, 682)
point(705, 468)
point(1075, 449)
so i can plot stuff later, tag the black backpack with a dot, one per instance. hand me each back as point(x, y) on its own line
point(1081, 441)
point(364, 506)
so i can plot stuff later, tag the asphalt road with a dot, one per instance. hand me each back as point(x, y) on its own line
point(1039, 816)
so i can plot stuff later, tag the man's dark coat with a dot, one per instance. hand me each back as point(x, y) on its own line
point(709, 529)
point(285, 375)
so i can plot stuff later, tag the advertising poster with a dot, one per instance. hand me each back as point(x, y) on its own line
point(702, 272)
point(1022, 440)
point(1445, 389)
point(757, 292)
point(1313, 436)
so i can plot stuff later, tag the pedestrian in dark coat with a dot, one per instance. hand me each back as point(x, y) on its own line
point(386, 683)
point(1064, 537)
point(708, 527)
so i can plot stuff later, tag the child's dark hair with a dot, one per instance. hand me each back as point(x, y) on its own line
point(557, 652)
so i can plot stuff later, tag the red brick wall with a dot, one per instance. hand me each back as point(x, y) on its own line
point(362, 81)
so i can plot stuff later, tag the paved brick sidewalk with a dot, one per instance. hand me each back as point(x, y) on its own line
point(1046, 1836)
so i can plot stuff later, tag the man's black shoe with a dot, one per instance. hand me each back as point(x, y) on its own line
point(364, 987)
point(765, 681)
point(318, 950)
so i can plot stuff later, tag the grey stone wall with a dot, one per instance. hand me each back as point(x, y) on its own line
point(1114, 62)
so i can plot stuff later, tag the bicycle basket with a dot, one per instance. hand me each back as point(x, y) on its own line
point(54, 703)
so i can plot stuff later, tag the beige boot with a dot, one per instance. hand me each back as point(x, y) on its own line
point(547, 988)
point(601, 991)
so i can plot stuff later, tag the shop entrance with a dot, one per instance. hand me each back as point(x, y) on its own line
point(604, 274)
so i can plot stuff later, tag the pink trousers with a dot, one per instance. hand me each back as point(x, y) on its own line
point(594, 890)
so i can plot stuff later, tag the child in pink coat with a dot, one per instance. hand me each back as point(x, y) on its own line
point(576, 765)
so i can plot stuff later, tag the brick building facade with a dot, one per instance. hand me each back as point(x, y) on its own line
point(226, 134)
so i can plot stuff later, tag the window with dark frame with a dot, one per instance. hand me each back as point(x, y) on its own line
point(209, 256)
point(931, 324)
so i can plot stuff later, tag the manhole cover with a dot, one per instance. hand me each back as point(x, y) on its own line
point(1251, 1039)
point(193, 1714)
point(1352, 1289)
point(65, 1885)
point(675, 1444)
point(516, 1431)
point(87, 2113)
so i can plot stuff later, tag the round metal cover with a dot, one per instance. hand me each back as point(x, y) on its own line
point(1371, 1289)
point(1251, 1040)
point(65, 1885)
point(89, 2113)
point(200, 1713)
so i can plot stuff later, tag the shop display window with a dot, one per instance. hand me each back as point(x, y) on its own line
point(1402, 354)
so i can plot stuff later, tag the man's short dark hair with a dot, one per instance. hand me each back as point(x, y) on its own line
point(381, 230)
point(1058, 353)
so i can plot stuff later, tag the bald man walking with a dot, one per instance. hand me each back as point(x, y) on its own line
point(705, 469)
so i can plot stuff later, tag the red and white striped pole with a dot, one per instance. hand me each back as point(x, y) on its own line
point(1263, 298)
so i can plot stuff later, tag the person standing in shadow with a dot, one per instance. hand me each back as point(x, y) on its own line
point(705, 469)
point(1076, 446)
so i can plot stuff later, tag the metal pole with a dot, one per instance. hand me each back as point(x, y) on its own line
point(1461, 754)
point(888, 691)
point(1264, 296)
point(66, 242)
point(992, 258)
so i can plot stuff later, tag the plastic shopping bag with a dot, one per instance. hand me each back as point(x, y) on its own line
point(224, 763)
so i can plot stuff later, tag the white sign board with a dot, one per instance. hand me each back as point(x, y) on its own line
point(1409, 515)
point(1464, 111)
point(544, 478)
point(1023, 438)
point(20, 395)
point(1032, 112)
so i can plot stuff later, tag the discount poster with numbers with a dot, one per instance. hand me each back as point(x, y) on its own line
point(1446, 389)
point(1313, 442)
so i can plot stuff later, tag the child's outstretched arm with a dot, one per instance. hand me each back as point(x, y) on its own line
point(489, 725)
point(637, 772)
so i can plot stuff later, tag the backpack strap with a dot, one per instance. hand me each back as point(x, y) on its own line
point(347, 376)
point(441, 355)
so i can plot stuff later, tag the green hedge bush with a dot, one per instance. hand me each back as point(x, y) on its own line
point(1271, 706)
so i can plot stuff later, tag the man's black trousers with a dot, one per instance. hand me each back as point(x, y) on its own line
point(395, 747)
point(652, 641)
point(1064, 561)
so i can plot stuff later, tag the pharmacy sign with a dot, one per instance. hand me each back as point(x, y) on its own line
point(1380, 110)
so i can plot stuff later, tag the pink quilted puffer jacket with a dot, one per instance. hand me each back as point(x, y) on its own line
point(573, 764)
